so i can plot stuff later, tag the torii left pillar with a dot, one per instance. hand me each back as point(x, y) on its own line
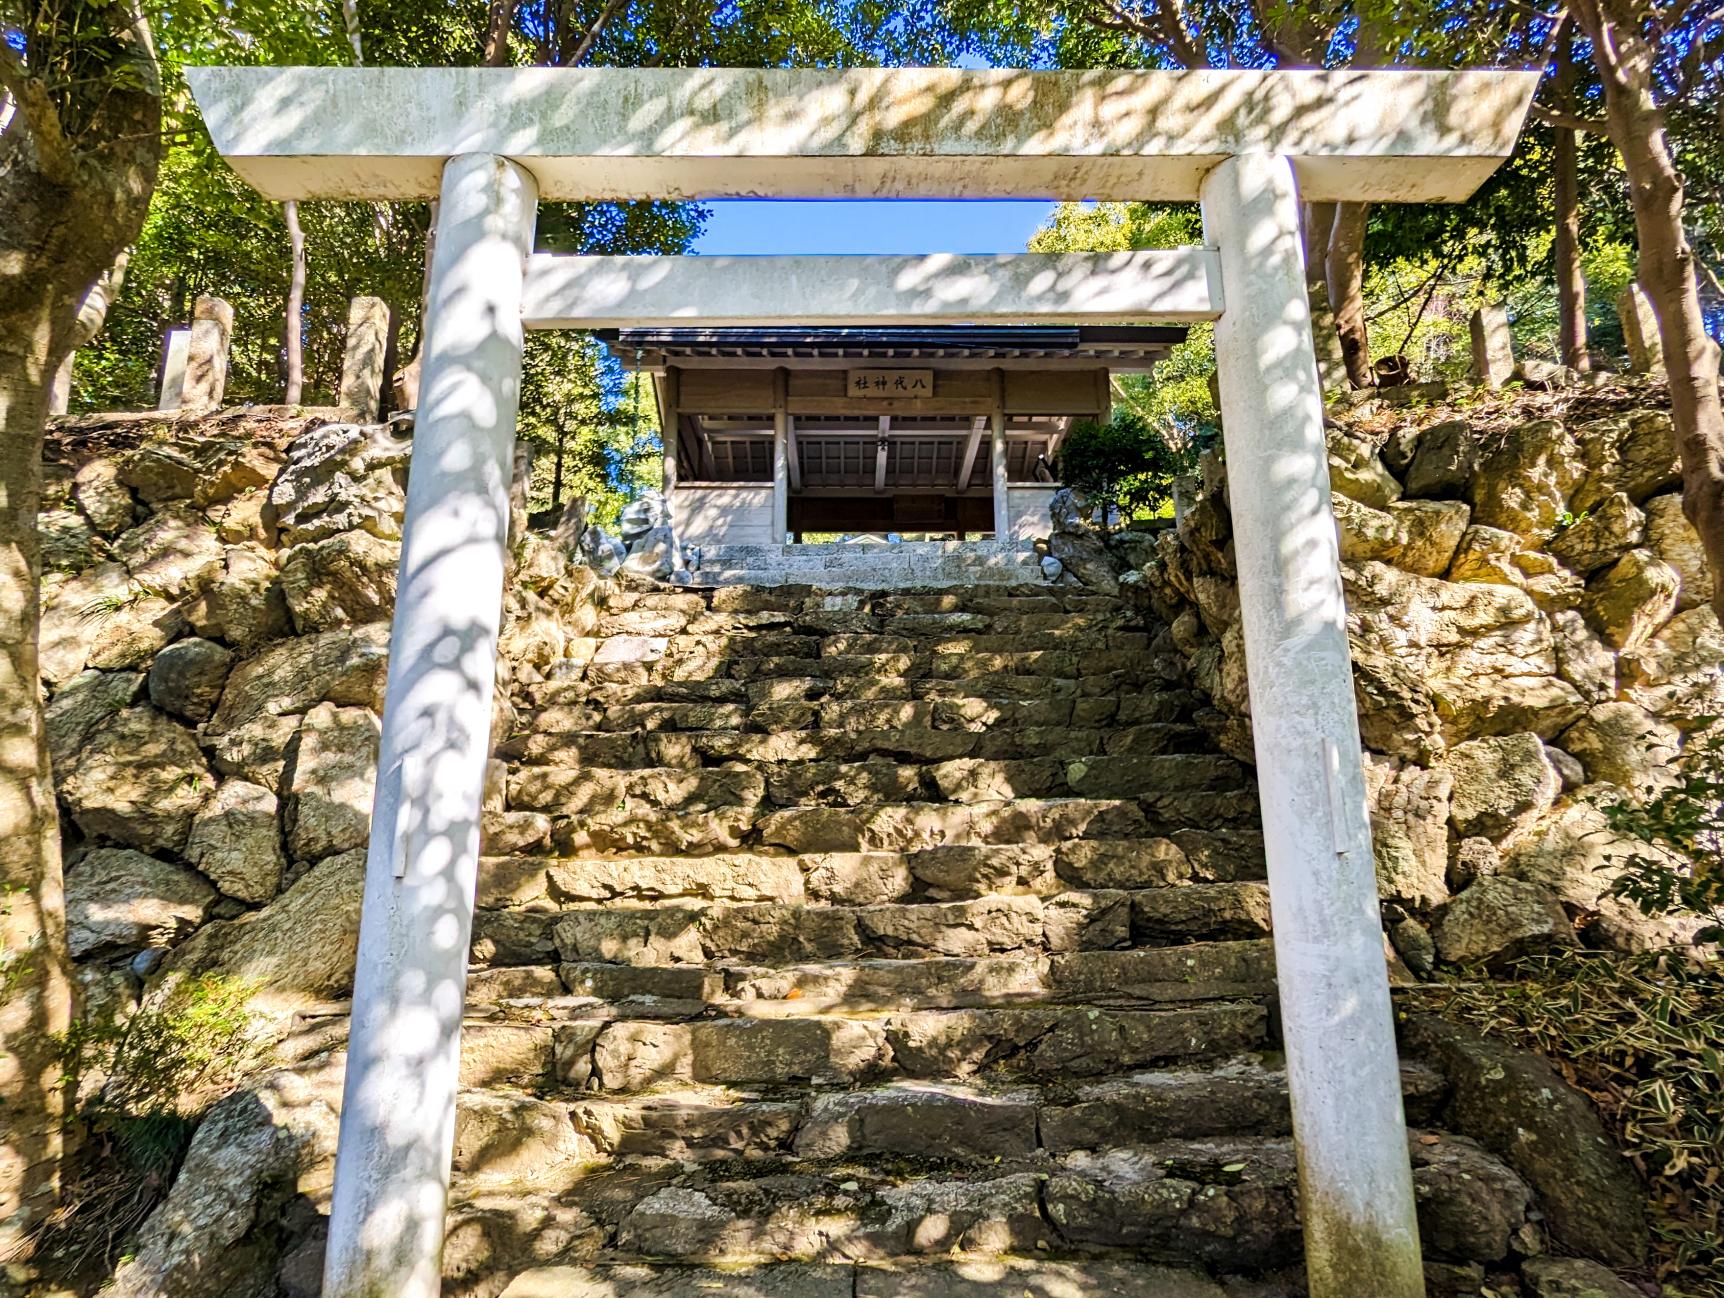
point(410, 983)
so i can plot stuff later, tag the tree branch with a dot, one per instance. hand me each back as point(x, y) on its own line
point(54, 156)
point(591, 36)
point(1571, 121)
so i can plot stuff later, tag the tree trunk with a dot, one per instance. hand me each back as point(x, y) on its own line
point(1625, 65)
point(69, 204)
point(36, 996)
point(499, 18)
point(294, 335)
point(1570, 283)
point(92, 315)
point(1345, 271)
point(1331, 364)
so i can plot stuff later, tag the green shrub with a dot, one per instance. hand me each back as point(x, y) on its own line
point(1686, 823)
point(1126, 465)
point(150, 1074)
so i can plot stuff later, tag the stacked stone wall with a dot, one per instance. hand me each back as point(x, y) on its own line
point(1532, 639)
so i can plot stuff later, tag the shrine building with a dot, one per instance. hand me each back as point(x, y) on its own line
point(775, 434)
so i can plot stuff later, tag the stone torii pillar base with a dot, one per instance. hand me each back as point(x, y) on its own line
point(1356, 1187)
point(410, 983)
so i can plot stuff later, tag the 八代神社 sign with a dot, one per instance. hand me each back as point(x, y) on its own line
point(889, 383)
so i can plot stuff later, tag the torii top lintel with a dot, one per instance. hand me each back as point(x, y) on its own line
point(691, 133)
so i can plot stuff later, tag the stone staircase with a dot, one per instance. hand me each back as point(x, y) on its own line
point(873, 565)
point(844, 942)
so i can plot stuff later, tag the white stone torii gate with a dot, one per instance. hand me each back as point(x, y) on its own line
point(490, 143)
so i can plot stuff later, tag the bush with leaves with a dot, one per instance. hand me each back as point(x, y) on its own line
point(1685, 822)
point(148, 1075)
point(1126, 465)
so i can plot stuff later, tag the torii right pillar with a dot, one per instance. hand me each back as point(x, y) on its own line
point(1356, 1186)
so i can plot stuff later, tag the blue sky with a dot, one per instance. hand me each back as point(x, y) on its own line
point(755, 226)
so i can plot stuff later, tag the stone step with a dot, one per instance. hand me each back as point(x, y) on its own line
point(978, 549)
point(960, 1123)
point(1218, 970)
point(806, 688)
point(782, 933)
point(1061, 624)
point(1044, 1041)
point(790, 600)
point(1136, 667)
point(870, 578)
point(978, 1278)
point(896, 827)
point(867, 644)
point(946, 873)
point(1228, 1203)
point(579, 790)
point(624, 749)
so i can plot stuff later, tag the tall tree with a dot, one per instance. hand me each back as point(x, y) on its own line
point(80, 141)
point(1565, 166)
point(293, 318)
point(1634, 43)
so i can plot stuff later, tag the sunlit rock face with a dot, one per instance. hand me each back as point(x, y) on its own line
point(1537, 635)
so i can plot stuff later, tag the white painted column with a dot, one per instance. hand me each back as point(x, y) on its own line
point(1361, 1235)
point(398, 1112)
point(780, 456)
point(1002, 493)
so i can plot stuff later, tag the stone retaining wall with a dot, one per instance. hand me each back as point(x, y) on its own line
point(1531, 636)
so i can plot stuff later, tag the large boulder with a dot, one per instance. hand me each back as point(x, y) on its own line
point(1355, 470)
point(1583, 660)
point(1575, 856)
point(236, 841)
point(1502, 785)
point(646, 513)
point(82, 705)
point(1419, 536)
point(1574, 1277)
point(138, 780)
point(243, 605)
point(68, 542)
point(103, 498)
point(1409, 808)
point(174, 552)
point(101, 618)
point(1443, 461)
point(1671, 537)
point(1623, 744)
point(340, 478)
point(120, 900)
point(1498, 920)
point(255, 1150)
point(340, 580)
point(186, 678)
point(1523, 485)
point(1634, 454)
point(328, 782)
point(1675, 675)
point(1632, 599)
point(1513, 1103)
point(296, 952)
point(203, 470)
point(1602, 536)
point(345, 667)
point(654, 554)
point(1086, 558)
point(1471, 659)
